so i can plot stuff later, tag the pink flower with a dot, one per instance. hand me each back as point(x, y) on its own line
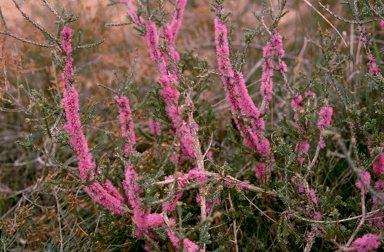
point(300, 188)
point(367, 243)
point(188, 245)
point(222, 47)
point(241, 185)
point(268, 50)
point(227, 183)
point(378, 166)
point(322, 144)
point(113, 191)
point(326, 114)
point(263, 146)
point(367, 178)
point(170, 32)
point(100, 195)
point(309, 93)
point(168, 80)
point(266, 79)
point(312, 195)
point(131, 187)
point(152, 40)
point(277, 42)
point(297, 103)
point(245, 113)
point(373, 67)
point(260, 170)
point(282, 67)
point(67, 33)
point(186, 140)
point(68, 70)
point(154, 126)
point(197, 175)
point(156, 220)
point(379, 185)
point(304, 146)
point(377, 220)
point(301, 159)
point(108, 195)
point(141, 218)
point(169, 207)
point(169, 92)
point(126, 124)
point(317, 216)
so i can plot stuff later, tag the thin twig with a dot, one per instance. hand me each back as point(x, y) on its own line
point(234, 223)
point(321, 15)
point(59, 219)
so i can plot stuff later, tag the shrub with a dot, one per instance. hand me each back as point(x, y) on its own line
point(165, 174)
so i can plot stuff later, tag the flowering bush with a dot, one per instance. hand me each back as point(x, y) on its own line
point(305, 174)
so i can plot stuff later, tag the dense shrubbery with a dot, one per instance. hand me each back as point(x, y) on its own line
point(160, 167)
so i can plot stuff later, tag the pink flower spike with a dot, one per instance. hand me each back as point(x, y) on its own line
point(152, 40)
point(222, 47)
point(67, 34)
point(107, 195)
point(176, 20)
point(245, 114)
point(277, 42)
point(154, 126)
point(367, 243)
point(126, 124)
